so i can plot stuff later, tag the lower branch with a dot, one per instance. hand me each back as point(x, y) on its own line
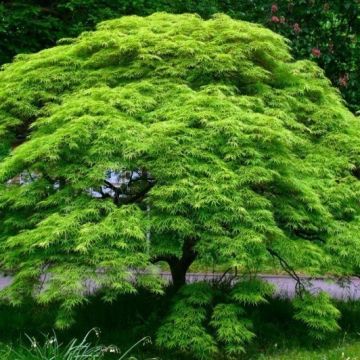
point(299, 287)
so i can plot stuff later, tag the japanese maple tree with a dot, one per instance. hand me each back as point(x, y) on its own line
point(171, 138)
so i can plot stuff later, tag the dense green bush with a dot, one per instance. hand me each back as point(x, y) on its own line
point(326, 31)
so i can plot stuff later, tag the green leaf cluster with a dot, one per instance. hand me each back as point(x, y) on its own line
point(318, 313)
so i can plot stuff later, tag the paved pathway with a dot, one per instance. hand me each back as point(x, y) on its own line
point(285, 285)
point(4, 281)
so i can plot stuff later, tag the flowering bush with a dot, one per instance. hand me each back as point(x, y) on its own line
point(325, 31)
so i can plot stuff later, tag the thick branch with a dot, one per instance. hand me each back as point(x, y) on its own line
point(138, 196)
point(126, 193)
point(166, 258)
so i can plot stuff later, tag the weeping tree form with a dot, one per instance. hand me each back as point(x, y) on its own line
point(169, 138)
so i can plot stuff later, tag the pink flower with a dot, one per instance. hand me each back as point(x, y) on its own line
point(296, 28)
point(344, 80)
point(275, 19)
point(316, 52)
point(274, 8)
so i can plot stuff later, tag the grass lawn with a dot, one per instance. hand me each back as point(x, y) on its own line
point(346, 351)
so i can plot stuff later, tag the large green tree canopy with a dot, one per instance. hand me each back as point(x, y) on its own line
point(170, 138)
point(330, 28)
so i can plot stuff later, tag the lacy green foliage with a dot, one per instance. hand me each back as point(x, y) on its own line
point(328, 29)
point(252, 292)
point(235, 147)
point(318, 313)
point(200, 323)
point(232, 329)
point(185, 327)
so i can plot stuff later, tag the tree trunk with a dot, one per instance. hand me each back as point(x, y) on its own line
point(178, 273)
point(179, 267)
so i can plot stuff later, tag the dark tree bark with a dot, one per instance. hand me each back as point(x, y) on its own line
point(180, 266)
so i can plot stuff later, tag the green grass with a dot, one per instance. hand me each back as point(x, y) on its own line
point(346, 351)
point(51, 349)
